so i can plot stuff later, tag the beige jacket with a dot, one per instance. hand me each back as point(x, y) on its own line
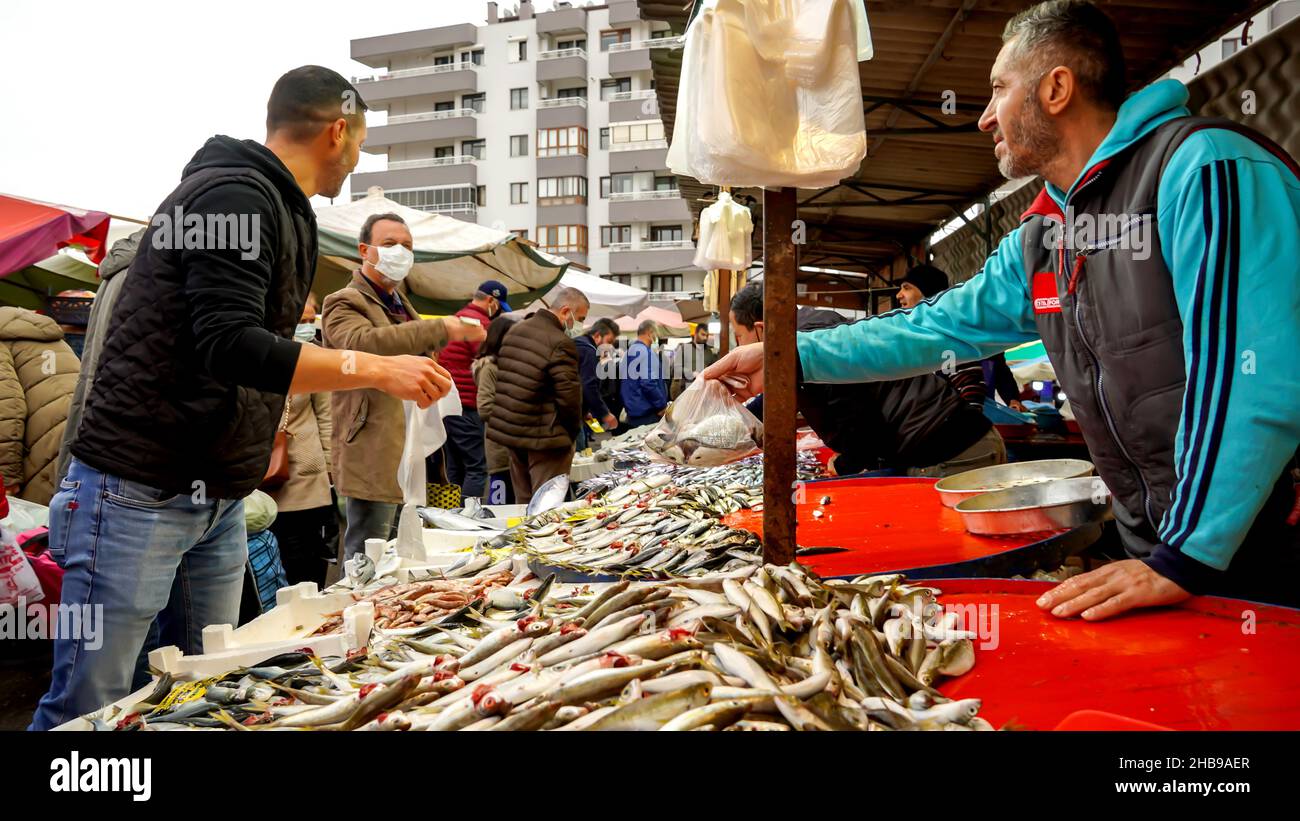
point(309, 432)
point(38, 373)
point(485, 378)
point(369, 426)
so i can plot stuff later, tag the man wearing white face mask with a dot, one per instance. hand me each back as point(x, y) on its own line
point(374, 314)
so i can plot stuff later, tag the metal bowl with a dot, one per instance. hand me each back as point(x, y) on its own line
point(1052, 505)
point(961, 486)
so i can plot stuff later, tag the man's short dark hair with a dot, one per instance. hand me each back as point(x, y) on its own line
point(747, 305)
point(1073, 33)
point(603, 326)
point(306, 99)
point(367, 229)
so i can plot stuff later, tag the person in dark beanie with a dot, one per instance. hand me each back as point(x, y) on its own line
point(969, 378)
point(198, 357)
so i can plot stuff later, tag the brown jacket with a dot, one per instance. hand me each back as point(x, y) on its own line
point(485, 378)
point(369, 426)
point(539, 396)
point(38, 372)
point(309, 432)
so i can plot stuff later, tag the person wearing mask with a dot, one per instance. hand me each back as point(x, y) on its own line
point(1153, 331)
point(500, 491)
point(538, 403)
point(608, 369)
point(375, 314)
point(603, 332)
point(644, 397)
point(198, 357)
point(919, 426)
point(306, 525)
point(38, 374)
point(463, 452)
point(690, 359)
point(976, 381)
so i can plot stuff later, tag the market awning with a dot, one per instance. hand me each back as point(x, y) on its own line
point(670, 322)
point(608, 298)
point(451, 257)
point(31, 230)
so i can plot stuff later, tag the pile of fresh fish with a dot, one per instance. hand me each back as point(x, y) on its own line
point(649, 527)
point(713, 441)
point(746, 472)
point(760, 648)
point(414, 603)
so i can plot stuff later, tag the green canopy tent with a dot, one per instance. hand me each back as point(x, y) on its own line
point(451, 257)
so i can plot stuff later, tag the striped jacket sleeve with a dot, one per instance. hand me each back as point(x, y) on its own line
point(1229, 224)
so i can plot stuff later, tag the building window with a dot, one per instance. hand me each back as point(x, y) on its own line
point(448, 200)
point(519, 145)
point(610, 234)
point(665, 282)
point(622, 183)
point(518, 50)
point(636, 132)
point(609, 38)
point(561, 190)
point(562, 142)
point(661, 34)
point(604, 139)
point(518, 193)
point(474, 101)
point(666, 233)
point(570, 93)
point(665, 183)
point(518, 98)
point(475, 57)
point(474, 148)
point(443, 60)
point(1230, 47)
point(618, 85)
point(621, 279)
point(1284, 13)
point(564, 45)
point(444, 151)
point(447, 106)
point(562, 239)
point(482, 195)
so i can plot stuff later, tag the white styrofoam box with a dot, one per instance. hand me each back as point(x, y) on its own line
point(445, 541)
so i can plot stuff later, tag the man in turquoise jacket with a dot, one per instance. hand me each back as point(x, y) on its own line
point(1161, 267)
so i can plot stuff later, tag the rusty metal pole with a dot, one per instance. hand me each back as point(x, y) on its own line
point(779, 308)
point(723, 278)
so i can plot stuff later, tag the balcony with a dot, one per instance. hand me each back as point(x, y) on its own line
point(562, 64)
point(566, 165)
point(457, 124)
point(651, 257)
point(562, 210)
point(646, 155)
point(562, 102)
point(653, 42)
point(377, 52)
point(623, 11)
point(630, 106)
point(648, 206)
point(626, 58)
point(561, 112)
point(427, 173)
point(562, 21)
point(415, 82)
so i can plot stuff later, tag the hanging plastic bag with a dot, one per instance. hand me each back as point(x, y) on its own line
point(425, 433)
point(18, 582)
point(726, 236)
point(705, 427)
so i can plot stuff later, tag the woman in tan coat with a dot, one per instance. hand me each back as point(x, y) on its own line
point(38, 372)
point(306, 523)
point(499, 490)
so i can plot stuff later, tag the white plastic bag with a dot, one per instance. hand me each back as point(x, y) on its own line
point(17, 579)
point(726, 236)
point(770, 94)
point(425, 433)
point(705, 427)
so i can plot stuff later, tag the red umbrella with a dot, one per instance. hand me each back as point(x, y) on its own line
point(31, 231)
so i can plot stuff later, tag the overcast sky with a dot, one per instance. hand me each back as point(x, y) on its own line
point(107, 102)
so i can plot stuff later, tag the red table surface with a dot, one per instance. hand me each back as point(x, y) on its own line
point(1200, 666)
point(886, 524)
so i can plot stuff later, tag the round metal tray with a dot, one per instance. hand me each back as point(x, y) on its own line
point(961, 486)
point(1053, 505)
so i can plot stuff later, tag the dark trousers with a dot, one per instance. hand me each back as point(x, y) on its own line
point(529, 469)
point(501, 491)
point(638, 421)
point(308, 543)
point(466, 464)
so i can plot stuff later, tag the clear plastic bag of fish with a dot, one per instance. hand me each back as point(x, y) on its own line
point(705, 427)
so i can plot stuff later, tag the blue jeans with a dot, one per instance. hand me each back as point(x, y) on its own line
point(127, 549)
point(368, 520)
point(466, 464)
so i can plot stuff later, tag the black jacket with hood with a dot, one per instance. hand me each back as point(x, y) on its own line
point(198, 353)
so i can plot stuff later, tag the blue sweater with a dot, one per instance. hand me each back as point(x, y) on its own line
point(642, 388)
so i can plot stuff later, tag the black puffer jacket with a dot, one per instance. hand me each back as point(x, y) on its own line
point(198, 354)
point(539, 395)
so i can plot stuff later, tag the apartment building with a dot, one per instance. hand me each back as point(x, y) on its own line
point(542, 123)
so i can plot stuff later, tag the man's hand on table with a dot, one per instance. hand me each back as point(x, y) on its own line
point(1110, 590)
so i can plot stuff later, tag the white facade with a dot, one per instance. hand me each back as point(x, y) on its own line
point(457, 121)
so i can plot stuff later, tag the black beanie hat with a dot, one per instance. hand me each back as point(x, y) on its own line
point(928, 279)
